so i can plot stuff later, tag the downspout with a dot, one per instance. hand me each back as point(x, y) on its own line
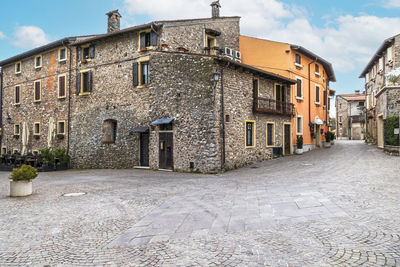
point(69, 97)
point(309, 93)
point(223, 121)
point(1, 106)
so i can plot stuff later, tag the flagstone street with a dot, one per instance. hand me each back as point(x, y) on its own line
point(287, 211)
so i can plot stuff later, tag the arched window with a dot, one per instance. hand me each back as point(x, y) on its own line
point(109, 131)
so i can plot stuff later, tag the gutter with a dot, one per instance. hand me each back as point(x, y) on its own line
point(69, 97)
point(222, 120)
point(1, 106)
point(309, 92)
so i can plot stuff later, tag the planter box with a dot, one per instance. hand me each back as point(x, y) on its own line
point(20, 188)
point(61, 167)
point(327, 144)
point(392, 150)
point(299, 151)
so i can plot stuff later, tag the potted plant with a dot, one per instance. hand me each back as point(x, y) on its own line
point(332, 138)
point(61, 158)
point(21, 181)
point(299, 145)
point(48, 159)
point(327, 142)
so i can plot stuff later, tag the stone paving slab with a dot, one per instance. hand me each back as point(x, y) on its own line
point(327, 207)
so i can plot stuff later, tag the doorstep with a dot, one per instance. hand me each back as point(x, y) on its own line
point(142, 167)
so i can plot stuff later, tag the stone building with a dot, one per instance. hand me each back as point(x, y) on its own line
point(350, 116)
point(382, 86)
point(163, 95)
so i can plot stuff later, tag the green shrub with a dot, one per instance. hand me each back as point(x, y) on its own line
point(394, 79)
point(61, 154)
point(328, 136)
point(299, 141)
point(24, 173)
point(47, 155)
point(390, 124)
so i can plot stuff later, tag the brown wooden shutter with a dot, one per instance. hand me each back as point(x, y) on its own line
point(299, 88)
point(142, 40)
point(78, 83)
point(90, 78)
point(154, 39)
point(91, 51)
point(78, 53)
point(325, 97)
point(62, 86)
point(37, 90)
point(135, 73)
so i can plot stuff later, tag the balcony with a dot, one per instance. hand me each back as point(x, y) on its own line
point(271, 106)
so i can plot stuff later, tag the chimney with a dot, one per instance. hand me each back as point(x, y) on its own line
point(113, 21)
point(357, 92)
point(215, 6)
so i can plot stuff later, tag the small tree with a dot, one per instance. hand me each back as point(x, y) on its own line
point(394, 79)
point(47, 155)
point(391, 123)
point(299, 142)
point(328, 136)
point(61, 154)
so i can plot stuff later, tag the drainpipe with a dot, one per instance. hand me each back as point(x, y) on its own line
point(223, 121)
point(1, 106)
point(309, 93)
point(69, 97)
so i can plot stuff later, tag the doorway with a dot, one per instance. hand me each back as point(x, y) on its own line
point(380, 131)
point(144, 149)
point(166, 151)
point(287, 140)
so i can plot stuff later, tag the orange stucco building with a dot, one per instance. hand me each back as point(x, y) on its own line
point(311, 93)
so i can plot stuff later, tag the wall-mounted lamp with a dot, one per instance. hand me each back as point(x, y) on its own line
point(216, 75)
point(9, 118)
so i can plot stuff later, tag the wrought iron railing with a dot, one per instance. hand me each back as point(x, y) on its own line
point(271, 106)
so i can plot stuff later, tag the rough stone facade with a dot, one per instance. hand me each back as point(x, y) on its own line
point(181, 87)
point(350, 116)
point(342, 119)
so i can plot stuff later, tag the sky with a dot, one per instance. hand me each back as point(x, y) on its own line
point(345, 32)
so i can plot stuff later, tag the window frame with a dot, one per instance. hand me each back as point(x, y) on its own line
point(65, 85)
point(59, 54)
point(380, 64)
point(41, 61)
point(58, 127)
point(19, 94)
point(20, 67)
point(146, 47)
point(139, 74)
point(81, 91)
point(210, 50)
point(317, 70)
point(114, 129)
point(34, 128)
point(390, 60)
point(253, 133)
point(19, 129)
point(273, 133)
point(40, 91)
point(297, 125)
point(319, 94)
point(301, 88)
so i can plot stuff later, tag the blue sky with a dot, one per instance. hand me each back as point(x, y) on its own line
point(346, 33)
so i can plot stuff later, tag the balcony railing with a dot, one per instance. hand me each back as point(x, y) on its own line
point(271, 106)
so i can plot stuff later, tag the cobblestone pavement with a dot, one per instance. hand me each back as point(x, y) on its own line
point(337, 206)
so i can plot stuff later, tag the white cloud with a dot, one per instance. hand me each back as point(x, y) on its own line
point(30, 37)
point(2, 35)
point(392, 3)
point(346, 41)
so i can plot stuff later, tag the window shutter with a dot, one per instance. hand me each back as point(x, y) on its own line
point(78, 83)
point(78, 53)
point(90, 77)
point(154, 39)
point(142, 40)
point(135, 73)
point(91, 51)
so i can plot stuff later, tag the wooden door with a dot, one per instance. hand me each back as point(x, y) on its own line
point(380, 132)
point(144, 149)
point(166, 151)
point(278, 96)
point(287, 137)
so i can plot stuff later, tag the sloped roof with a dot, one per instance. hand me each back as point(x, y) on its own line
point(353, 97)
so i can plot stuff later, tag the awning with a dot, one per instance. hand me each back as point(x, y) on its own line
point(317, 121)
point(162, 121)
point(140, 129)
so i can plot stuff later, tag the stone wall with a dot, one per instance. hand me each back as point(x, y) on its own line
point(393, 101)
point(190, 35)
point(238, 95)
point(342, 110)
point(29, 111)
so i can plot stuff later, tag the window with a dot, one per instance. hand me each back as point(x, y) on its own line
point(61, 127)
point(17, 130)
point(17, 67)
point(298, 59)
point(317, 69)
point(299, 125)
point(166, 127)
point(270, 134)
point(141, 72)
point(390, 54)
point(367, 78)
point(84, 82)
point(325, 97)
point(17, 95)
point(250, 133)
point(85, 52)
point(38, 62)
point(37, 91)
point(299, 89)
point(3, 151)
point(62, 54)
point(62, 86)
point(361, 103)
point(147, 39)
point(381, 64)
point(317, 89)
point(211, 42)
point(340, 118)
point(109, 131)
point(36, 128)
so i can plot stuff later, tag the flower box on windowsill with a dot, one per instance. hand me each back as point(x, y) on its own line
point(60, 136)
point(36, 136)
point(16, 136)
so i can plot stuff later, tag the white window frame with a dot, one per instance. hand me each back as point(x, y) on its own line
point(389, 54)
point(58, 127)
point(302, 92)
point(41, 61)
point(319, 94)
point(59, 54)
point(19, 129)
point(20, 67)
point(297, 126)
